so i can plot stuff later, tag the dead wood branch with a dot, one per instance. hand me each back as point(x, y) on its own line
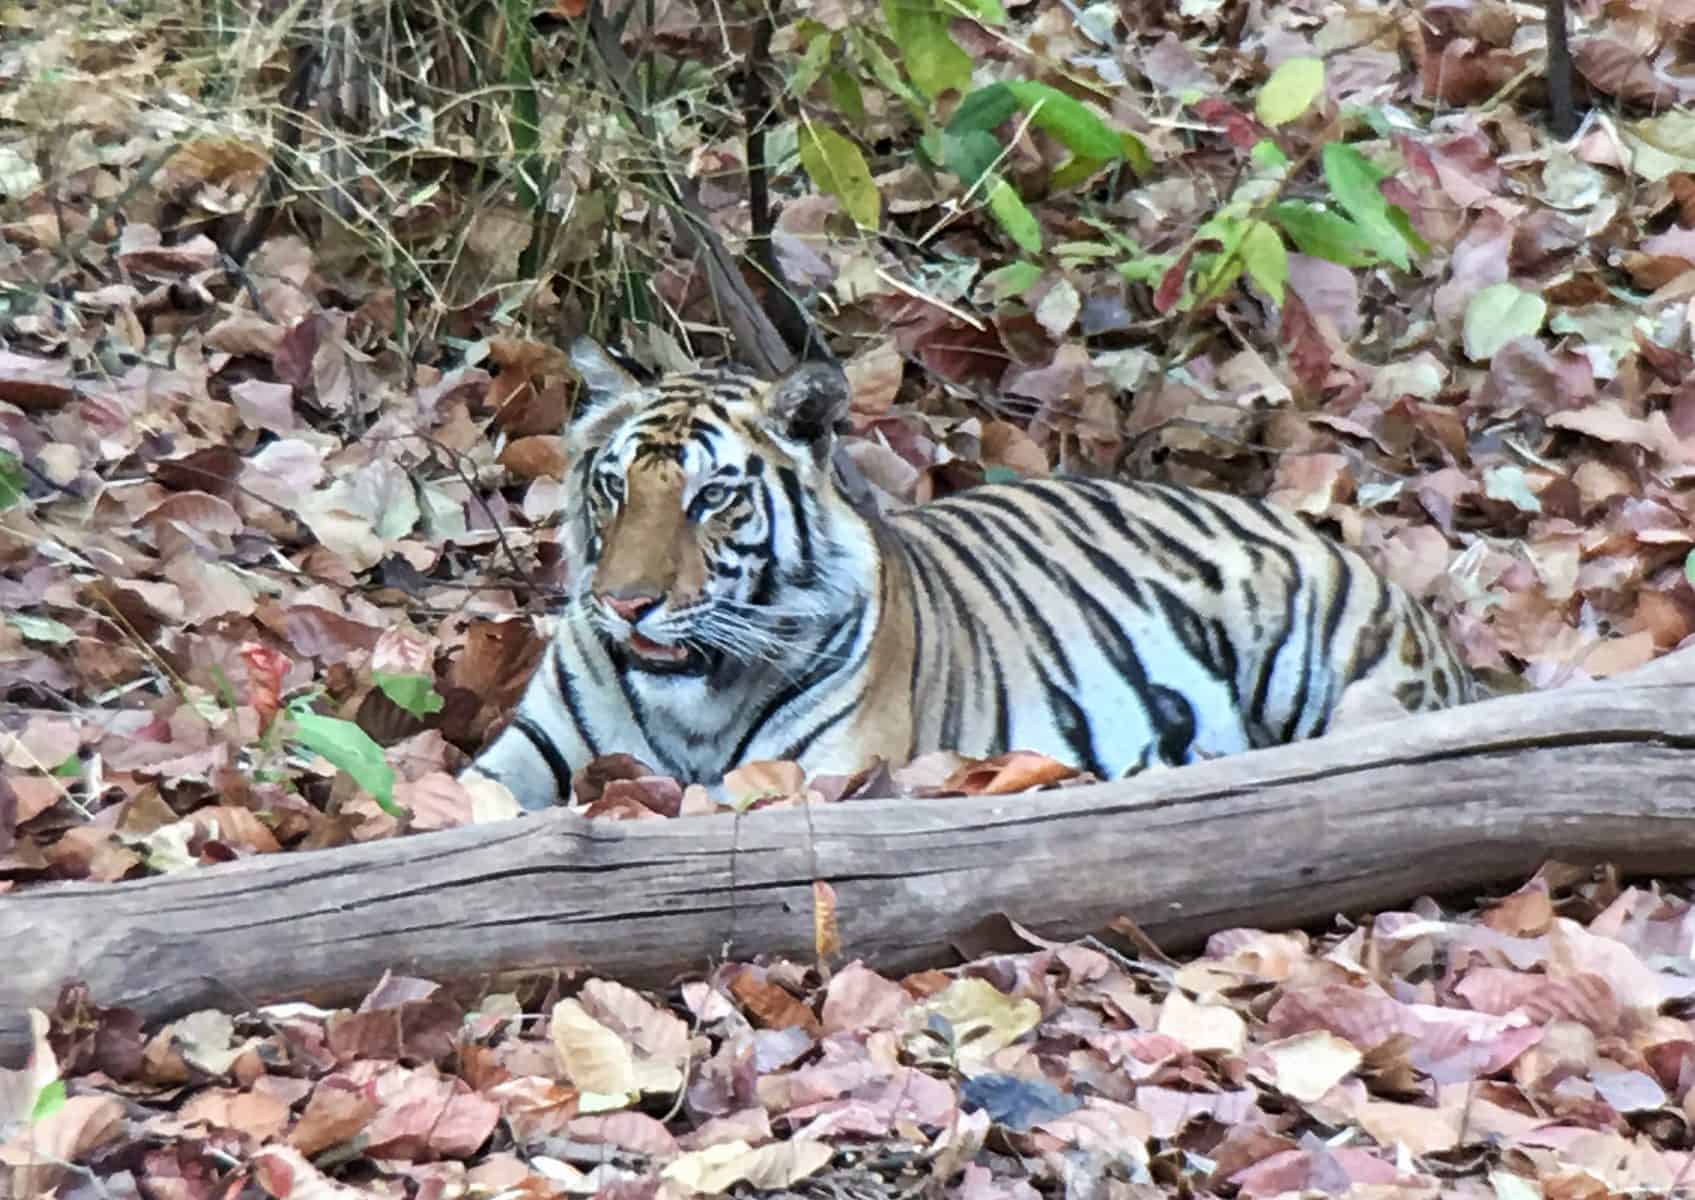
point(1357, 820)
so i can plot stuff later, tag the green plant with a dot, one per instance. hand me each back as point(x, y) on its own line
point(915, 59)
point(347, 747)
point(1353, 225)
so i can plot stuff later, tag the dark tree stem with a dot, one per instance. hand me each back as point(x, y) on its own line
point(1562, 107)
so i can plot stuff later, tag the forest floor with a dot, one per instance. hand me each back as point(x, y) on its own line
point(280, 495)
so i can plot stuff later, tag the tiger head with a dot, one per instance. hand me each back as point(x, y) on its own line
point(701, 517)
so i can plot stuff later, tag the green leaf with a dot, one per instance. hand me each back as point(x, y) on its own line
point(933, 61)
point(1498, 314)
point(1019, 223)
point(349, 748)
point(42, 629)
point(1077, 128)
point(1001, 475)
point(846, 95)
point(11, 480)
point(1290, 91)
point(1076, 169)
point(1225, 228)
point(1265, 259)
point(1323, 234)
point(1215, 274)
point(837, 168)
point(969, 154)
point(870, 52)
point(983, 109)
point(413, 692)
point(1073, 254)
point(1010, 280)
point(810, 66)
point(1403, 225)
point(1143, 269)
point(1092, 142)
point(1353, 180)
point(49, 1100)
point(1268, 156)
point(1136, 154)
point(987, 12)
point(1689, 568)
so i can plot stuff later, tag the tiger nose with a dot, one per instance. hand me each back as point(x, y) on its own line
point(631, 605)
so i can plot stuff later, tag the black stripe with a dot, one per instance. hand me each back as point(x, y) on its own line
point(823, 664)
point(805, 743)
point(1253, 542)
point(549, 752)
point(1058, 498)
point(1176, 501)
point(766, 585)
point(900, 548)
point(1111, 510)
point(803, 526)
point(1298, 708)
point(1371, 635)
point(1338, 600)
point(1111, 639)
point(953, 703)
point(979, 567)
point(1269, 654)
point(1117, 514)
point(568, 695)
point(1191, 630)
point(1171, 726)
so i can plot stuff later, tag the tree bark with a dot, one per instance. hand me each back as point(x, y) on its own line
point(1562, 102)
point(1356, 820)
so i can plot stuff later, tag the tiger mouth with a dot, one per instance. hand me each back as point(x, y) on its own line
point(662, 657)
point(661, 652)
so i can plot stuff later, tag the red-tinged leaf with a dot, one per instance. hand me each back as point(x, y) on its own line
point(265, 671)
point(423, 1115)
point(336, 1112)
point(284, 1174)
point(535, 457)
point(769, 1004)
point(1170, 289)
point(859, 998)
point(1242, 131)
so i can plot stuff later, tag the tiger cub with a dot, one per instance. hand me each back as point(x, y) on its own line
point(729, 604)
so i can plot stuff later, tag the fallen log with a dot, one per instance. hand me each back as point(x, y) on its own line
point(1360, 819)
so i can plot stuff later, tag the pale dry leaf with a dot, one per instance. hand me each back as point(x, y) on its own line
point(983, 1018)
point(594, 1058)
point(1202, 1027)
point(717, 1169)
point(874, 374)
point(1308, 1065)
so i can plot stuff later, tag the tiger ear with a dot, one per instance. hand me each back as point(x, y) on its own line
point(809, 404)
point(605, 383)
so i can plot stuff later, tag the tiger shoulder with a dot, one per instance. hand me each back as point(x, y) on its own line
point(728, 603)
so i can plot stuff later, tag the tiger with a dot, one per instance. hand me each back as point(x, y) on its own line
point(730, 602)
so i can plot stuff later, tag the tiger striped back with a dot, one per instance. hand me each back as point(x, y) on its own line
point(728, 604)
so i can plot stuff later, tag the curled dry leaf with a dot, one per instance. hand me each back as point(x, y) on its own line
point(1020, 771)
